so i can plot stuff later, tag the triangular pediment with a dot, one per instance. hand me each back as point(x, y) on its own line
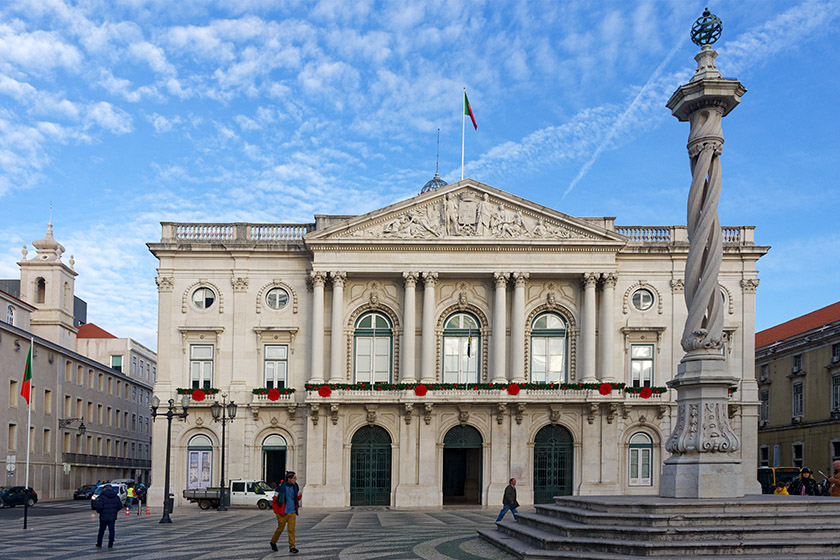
point(463, 212)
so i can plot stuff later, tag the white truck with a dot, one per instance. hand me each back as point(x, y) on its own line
point(239, 493)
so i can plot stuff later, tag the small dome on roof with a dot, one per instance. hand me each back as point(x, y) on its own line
point(435, 183)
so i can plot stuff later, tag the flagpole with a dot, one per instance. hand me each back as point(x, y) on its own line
point(463, 122)
point(28, 438)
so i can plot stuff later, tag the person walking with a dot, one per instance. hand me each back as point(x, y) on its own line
point(108, 505)
point(805, 485)
point(286, 505)
point(130, 494)
point(509, 501)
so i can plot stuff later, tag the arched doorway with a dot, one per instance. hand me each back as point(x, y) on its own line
point(462, 447)
point(274, 459)
point(370, 467)
point(200, 461)
point(553, 454)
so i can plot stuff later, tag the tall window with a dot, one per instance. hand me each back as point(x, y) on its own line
point(641, 457)
point(548, 349)
point(835, 393)
point(797, 363)
point(835, 352)
point(461, 349)
point(798, 399)
point(276, 366)
point(10, 315)
point(641, 364)
point(798, 452)
point(763, 456)
point(40, 290)
point(200, 460)
point(764, 410)
point(373, 343)
point(201, 366)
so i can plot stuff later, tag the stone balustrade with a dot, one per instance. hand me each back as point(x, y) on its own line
point(234, 232)
point(739, 235)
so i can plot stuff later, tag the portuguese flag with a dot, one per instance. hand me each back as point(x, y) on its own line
point(468, 110)
point(27, 376)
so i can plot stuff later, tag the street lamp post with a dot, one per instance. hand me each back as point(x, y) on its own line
point(223, 413)
point(170, 414)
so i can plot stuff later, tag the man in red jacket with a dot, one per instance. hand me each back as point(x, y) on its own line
point(286, 505)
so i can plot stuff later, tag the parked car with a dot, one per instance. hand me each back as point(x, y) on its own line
point(84, 492)
point(241, 493)
point(11, 496)
point(120, 489)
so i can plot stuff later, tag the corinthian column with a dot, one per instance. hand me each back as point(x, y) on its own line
point(316, 373)
point(517, 328)
point(409, 329)
point(499, 329)
point(428, 364)
point(607, 330)
point(337, 327)
point(588, 334)
point(703, 462)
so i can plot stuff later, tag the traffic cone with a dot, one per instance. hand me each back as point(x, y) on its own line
point(148, 510)
point(127, 512)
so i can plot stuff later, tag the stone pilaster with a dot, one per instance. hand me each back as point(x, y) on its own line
point(606, 367)
point(499, 329)
point(428, 341)
point(407, 360)
point(587, 374)
point(517, 328)
point(337, 328)
point(316, 374)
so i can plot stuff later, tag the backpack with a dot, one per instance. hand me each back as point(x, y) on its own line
point(276, 507)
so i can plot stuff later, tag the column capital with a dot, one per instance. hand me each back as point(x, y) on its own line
point(519, 278)
point(410, 278)
point(610, 279)
point(749, 285)
point(318, 277)
point(501, 278)
point(430, 278)
point(338, 278)
point(589, 279)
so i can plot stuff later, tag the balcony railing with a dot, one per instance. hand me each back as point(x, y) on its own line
point(83, 459)
point(740, 235)
point(234, 232)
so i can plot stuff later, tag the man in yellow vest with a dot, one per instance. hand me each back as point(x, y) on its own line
point(131, 495)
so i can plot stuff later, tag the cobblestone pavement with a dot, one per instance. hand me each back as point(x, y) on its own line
point(64, 530)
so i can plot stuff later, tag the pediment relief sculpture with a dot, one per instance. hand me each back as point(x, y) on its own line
point(466, 214)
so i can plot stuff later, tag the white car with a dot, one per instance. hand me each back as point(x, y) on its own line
point(119, 488)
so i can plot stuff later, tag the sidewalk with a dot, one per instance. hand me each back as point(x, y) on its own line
point(348, 533)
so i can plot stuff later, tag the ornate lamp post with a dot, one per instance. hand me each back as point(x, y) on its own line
point(170, 413)
point(64, 422)
point(703, 463)
point(223, 413)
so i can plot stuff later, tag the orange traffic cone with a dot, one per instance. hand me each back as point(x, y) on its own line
point(127, 512)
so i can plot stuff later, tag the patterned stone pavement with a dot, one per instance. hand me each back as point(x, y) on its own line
point(67, 530)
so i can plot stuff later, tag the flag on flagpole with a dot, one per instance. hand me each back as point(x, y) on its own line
point(468, 110)
point(27, 376)
point(469, 343)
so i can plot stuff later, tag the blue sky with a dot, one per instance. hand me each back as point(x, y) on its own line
point(126, 113)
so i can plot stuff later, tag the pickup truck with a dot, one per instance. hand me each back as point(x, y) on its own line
point(239, 493)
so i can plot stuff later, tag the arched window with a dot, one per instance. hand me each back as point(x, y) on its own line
point(461, 349)
point(640, 459)
point(203, 298)
point(373, 345)
point(40, 290)
point(549, 349)
point(200, 461)
point(10, 315)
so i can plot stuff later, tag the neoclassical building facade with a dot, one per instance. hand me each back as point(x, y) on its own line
point(424, 353)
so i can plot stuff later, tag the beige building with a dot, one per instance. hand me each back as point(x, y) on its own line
point(428, 351)
point(797, 365)
point(69, 387)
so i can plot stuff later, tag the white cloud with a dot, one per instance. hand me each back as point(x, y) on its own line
point(38, 50)
point(110, 118)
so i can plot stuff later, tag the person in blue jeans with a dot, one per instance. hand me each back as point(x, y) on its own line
point(509, 501)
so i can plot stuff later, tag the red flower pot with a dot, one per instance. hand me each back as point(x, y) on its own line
point(646, 393)
point(605, 389)
point(198, 395)
point(273, 394)
point(325, 391)
point(420, 390)
point(513, 389)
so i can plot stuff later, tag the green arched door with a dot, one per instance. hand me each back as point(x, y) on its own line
point(553, 453)
point(370, 467)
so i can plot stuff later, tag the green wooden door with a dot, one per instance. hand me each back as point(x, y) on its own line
point(553, 453)
point(370, 467)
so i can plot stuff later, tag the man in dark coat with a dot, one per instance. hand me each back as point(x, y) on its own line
point(509, 501)
point(805, 485)
point(108, 505)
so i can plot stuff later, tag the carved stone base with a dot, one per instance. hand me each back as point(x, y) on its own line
point(702, 476)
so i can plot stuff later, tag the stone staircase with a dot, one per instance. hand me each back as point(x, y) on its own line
point(626, 527)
